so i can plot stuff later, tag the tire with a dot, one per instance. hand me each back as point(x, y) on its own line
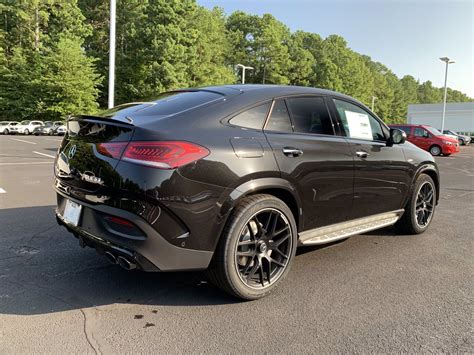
point(27, 132)
point(435, 150)
point(245, 263)
point(410, 222)
point(5, 132)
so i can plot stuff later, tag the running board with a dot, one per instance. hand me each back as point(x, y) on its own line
point(343, 230)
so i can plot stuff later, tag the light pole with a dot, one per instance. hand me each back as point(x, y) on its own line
point(243, 71)
point(447, 61)
point(112, 54)
point(373, 102)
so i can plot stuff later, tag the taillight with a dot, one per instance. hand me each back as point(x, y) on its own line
point(164, 155)
point(111, 150)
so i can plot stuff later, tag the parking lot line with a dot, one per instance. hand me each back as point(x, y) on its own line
point(2, 191)
point(28, 163)
point(21, 140)
point(46, 155)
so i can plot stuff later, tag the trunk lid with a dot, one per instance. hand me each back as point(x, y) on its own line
point(91, 150)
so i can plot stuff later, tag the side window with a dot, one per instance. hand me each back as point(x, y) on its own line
point(279, 119)
point(252, 118)
point(310, 115)
point(407, 130)
point(420, 132)
point(358, 123)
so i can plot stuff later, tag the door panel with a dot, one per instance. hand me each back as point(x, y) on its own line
point(322, 175)
point(381, 174)
point(320, 166)
point(381, 179)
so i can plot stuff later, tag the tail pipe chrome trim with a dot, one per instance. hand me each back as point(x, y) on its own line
point(125, 263)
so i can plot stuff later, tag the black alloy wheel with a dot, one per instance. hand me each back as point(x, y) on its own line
point(256, 249)
point(264, 248)
point(424, 204)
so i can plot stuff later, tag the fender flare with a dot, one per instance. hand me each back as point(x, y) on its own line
point(260, 184)
point(431, 169)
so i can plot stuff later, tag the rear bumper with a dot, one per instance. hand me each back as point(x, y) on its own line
point(151, 252)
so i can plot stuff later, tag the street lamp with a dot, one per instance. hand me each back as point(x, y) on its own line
point(112, 54)
point(243, 71)
point(447, 61)
point(373, 102)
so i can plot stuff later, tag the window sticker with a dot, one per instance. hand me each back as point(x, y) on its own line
point(359, 125)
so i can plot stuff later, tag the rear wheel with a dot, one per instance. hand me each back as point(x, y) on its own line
point(256, 249)
point(6, 131)
point(435, 150)
point(420, 208)
point(27, 132)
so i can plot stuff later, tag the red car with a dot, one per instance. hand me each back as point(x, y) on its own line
point(429, 138)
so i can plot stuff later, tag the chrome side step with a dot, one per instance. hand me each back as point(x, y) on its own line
point(343, 230)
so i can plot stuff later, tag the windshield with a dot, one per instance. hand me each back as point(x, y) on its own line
point(13, 123)
point(3, 123)
point(434, 131)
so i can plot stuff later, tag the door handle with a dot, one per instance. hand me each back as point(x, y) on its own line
point(292, 152)
point(362, 154)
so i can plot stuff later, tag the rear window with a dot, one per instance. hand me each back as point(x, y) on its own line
point(171, 103)
point(166, 104)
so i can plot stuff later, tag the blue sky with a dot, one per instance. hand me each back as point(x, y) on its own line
point(408, 36)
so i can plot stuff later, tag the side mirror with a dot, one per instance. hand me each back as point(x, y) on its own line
point(397, 136)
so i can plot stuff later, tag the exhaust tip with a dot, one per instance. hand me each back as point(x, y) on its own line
point(110, 257)
point(126, 264)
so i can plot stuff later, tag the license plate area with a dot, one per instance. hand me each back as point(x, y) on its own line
point(72, 212)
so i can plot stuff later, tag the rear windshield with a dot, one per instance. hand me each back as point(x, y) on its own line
point(166, 104)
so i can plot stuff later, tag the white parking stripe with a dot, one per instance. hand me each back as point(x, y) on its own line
point(46, 155)
point(21, 140)
point(2, 191)
point(33, 162)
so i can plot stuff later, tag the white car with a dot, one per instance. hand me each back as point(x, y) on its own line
point(27, 127)
point(61, 131)
point(8, 127)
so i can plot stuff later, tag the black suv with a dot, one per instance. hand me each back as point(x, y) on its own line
point(233, 178)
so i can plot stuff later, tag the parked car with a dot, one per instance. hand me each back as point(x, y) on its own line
point(463, 140)
point(232, 178)
point(27, 127)
point(61, 130)
point(6, 127)
point(430, 139)
point(49, 128)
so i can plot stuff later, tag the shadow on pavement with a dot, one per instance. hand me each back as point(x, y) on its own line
point(44, 270)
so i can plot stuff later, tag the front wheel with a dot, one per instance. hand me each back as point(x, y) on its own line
point(420, 208)
point(27, 132)
point(435, 150)
point(256, 249)
point(6, 131)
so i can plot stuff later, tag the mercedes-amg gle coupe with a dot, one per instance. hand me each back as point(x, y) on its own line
point(232, 179)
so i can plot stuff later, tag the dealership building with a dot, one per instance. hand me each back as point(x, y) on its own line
point(459, 116)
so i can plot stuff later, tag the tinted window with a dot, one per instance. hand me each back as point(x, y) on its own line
point(166, 104)
point(407, 130)
point(310, 115)
point(252, 118)
point(358, 123)
point(420, 132)
point(279, 119)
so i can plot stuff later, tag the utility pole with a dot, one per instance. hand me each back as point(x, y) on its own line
point(112, 54)
point(243, 71)
point(373, 102)
point(447, 61)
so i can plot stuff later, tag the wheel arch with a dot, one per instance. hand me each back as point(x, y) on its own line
point(274, 186)
point(432, 172)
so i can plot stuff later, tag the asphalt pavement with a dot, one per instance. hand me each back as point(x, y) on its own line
point(378, 292)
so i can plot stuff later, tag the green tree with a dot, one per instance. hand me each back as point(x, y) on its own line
point(69, 80)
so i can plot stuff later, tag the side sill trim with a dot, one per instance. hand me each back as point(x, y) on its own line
point(343, 230)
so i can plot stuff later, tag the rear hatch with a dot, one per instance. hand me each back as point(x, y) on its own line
point(91, 150)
